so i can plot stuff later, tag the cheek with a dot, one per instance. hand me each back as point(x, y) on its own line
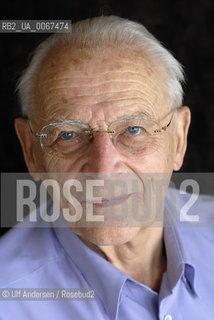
point(168, 157)
point(57, 164)
point(52, 164)
point(159, 161)
point(38, 155)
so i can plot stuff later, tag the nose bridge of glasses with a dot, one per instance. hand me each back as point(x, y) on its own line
point(94, 131)
point(100, 126)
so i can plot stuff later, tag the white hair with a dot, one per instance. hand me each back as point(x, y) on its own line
point(100, 32)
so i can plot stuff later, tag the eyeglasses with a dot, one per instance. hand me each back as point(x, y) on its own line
point(132, 135)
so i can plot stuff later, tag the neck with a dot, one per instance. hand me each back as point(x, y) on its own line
point(143, 258)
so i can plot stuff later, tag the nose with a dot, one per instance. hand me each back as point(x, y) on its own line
point(102, 156)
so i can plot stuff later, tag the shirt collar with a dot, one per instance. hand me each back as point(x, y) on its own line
point(94, 268)
point(179, 260)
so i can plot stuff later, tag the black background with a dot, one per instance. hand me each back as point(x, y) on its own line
point(184, 26)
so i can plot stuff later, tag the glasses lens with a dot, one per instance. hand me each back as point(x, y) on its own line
point(64, 139)
point(135, 136)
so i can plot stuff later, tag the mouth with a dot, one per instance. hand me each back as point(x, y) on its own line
point(105, 202)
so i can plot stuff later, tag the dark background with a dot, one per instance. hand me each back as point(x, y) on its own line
point(184, 26)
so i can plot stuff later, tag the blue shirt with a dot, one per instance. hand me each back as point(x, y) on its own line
point(46, 255)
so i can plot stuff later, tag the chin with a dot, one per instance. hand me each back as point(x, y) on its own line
point(107, 236)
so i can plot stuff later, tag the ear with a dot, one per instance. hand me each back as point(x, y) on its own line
point(26, 139)
point(183, 117)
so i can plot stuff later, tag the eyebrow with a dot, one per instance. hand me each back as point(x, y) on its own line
point(136, 115)
point(62, 121)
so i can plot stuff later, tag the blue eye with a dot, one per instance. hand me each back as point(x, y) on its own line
point(134, 130)
point(69, 135)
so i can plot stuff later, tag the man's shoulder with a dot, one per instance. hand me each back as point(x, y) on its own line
point(25, 248)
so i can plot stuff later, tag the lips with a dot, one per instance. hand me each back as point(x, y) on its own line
point(105, 202)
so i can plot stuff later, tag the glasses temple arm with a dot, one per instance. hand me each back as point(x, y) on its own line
point(163, 129)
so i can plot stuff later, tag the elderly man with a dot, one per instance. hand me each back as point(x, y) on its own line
point(104, 102)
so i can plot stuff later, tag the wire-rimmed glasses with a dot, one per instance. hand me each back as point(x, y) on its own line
point(131, 135)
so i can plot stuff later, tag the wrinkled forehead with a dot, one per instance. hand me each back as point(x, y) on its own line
point(71, 78)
